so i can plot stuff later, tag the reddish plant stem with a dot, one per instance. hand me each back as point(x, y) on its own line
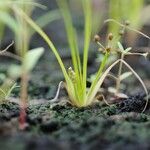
point(23, 102)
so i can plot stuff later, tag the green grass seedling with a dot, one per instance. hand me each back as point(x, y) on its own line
point(75, 77)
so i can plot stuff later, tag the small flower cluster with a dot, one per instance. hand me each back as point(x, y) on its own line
point(102, 48)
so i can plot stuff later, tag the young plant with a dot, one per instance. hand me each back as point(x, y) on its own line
point(23, 34)
point(121, 76)
point(29, 62)
point(76, 77)
point(125, 52)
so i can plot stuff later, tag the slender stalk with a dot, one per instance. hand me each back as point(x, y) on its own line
point(119, 74)
point(23, 45)
point(127, 27)
point(87, 36)
point(24, 101)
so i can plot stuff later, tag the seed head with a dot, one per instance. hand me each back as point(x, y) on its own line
point(108, 49)
point(127, 22)
point(110, 36)
point(96, 38)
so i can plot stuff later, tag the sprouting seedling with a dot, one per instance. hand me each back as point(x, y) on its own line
point(121, 76)
point(77, 90)
point(15, 71)
point(75, 76)
point(124, 52)
point(127, 52)
point(23, 34)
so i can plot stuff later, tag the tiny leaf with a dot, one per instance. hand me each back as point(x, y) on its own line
point(128, 49)
point(31, 58)
point(120, 46)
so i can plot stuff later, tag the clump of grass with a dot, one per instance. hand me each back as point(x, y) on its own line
point(76, 76)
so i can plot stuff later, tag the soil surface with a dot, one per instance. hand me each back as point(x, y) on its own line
point(120, 126)
point(61, 126)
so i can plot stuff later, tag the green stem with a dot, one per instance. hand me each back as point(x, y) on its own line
point(87, 35)
point(99, 73)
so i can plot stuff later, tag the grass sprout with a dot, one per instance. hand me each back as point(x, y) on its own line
point(75, 77)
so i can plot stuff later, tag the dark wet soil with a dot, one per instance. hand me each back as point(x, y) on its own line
point(61, 126)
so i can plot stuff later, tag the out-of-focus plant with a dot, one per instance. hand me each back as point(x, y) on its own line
point(28, 62)
point(122, 10)
point(7, 85)
point(23, 34)
point(97, 18)
point(126, 52)
point(121, 76)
